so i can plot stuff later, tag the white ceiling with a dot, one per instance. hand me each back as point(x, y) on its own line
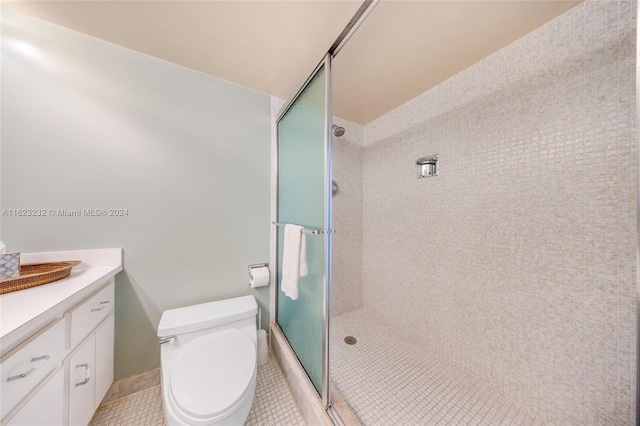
point(406, 47)
point(403, 49)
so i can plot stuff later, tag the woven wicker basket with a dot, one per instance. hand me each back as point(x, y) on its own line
point(34, 274)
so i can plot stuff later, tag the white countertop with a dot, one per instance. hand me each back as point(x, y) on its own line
point(25, 311)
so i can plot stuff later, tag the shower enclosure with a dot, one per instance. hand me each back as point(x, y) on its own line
point(502, 288)
point(304, 130)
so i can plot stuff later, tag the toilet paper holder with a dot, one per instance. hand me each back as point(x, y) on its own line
point(254, 266)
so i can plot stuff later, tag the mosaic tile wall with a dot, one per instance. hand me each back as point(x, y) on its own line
point(518, 261)
point(347, 219)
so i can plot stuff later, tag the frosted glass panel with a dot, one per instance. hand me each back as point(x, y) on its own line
point(301, 201)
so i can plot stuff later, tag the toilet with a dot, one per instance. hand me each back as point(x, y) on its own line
point(208, 357)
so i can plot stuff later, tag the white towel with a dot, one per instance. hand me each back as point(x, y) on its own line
point(304, 268)
point(294, 260)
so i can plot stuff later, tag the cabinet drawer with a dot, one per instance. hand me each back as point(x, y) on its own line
point(23, 369)
point(46, 408)
point(90, 313)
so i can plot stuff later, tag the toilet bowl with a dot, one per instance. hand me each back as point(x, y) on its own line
point(208, 357)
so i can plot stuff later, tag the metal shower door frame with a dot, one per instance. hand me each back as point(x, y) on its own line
point(360, 16)
point(327, 223)
point(637, 239)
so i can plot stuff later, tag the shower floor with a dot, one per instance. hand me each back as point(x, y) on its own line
point(386, 379)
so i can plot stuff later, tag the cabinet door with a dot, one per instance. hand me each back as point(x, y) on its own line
point(104, 359)
point(46, 407)
point(82, 383)
point(22, 370)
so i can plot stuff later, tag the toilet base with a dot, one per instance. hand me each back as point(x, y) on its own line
point(238, 417)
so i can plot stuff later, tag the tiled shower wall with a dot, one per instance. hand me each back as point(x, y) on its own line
point(347, 219)
point(518, 261)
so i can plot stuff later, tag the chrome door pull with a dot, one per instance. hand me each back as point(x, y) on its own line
point(102, 306)
point(38, 358)
point(30, 371)
point(22, 375)
point(88, 373)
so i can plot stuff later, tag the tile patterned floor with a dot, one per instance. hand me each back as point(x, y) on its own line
point(387, 380)
point(140, 408)
point(272, 405)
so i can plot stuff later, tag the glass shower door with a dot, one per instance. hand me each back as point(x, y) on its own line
point(303, 199)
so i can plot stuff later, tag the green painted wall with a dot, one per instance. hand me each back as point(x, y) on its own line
point(90, 125)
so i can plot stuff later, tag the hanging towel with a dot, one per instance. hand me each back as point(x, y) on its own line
point(294, 260)
point(304, 269)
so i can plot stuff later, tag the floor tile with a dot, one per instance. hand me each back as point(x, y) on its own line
point(273, 404)
point(388, 380)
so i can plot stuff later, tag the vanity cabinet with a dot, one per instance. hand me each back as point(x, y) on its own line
point(60, 374)
point(90, 373)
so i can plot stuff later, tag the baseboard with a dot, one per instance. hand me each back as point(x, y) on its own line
point(130, 385)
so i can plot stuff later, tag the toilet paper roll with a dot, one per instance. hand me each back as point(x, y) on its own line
point(259, 277)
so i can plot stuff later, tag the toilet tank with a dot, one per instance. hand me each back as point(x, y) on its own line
point(207, 315)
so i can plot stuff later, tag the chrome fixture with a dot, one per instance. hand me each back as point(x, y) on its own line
point(355, 22)
point(311, 231)
point(168, 339)
point(30, 371)
point(334, 188)
point(350, 340)
point(427, 166)
point(251, 268)
point(257, 265)
point(338, 131)
point(87, 371)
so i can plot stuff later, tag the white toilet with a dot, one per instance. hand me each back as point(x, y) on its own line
point(208, 357)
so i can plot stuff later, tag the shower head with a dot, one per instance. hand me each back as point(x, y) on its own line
point(338, 131)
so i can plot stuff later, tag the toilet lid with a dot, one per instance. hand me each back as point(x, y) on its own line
point(213, 373)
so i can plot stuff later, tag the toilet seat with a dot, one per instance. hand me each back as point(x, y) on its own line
point(212, 375)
